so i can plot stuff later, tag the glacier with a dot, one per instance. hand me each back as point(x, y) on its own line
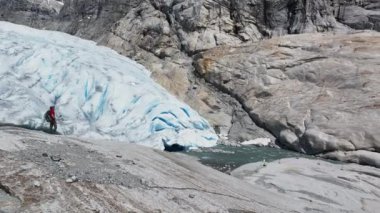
point(98, 93)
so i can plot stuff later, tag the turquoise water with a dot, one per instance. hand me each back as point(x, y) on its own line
point(226, 158)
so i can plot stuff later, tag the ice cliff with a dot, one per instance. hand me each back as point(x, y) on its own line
point(97, 92)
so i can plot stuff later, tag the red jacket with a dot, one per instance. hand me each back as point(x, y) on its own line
point(52, 113)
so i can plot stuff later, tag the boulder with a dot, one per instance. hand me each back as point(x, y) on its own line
point(358, 14)
point(317, 93)
point(361, 18)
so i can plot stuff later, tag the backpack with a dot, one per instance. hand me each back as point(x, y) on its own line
point(47, 116)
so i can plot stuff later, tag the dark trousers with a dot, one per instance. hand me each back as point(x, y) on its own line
point(53, 126)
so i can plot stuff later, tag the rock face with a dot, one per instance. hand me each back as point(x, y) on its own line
point(106, 176)
point(359, 14)
point(316, 93)
point(348, 188)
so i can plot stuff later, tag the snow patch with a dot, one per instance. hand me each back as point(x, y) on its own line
point(258, 142)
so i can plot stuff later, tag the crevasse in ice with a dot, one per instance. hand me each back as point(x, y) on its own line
point(97, 92)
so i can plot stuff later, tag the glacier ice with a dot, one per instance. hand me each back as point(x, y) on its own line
point(97, 92)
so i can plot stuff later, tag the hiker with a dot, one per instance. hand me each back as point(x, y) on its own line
point(50, 117)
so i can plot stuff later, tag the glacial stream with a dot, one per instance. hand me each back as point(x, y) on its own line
point(227, 158)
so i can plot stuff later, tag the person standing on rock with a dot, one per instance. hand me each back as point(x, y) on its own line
point(50, 117)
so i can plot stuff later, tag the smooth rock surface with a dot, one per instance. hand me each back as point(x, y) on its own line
point(347, 188)
point(144, 180)
point(360, 157)
point(316, 93)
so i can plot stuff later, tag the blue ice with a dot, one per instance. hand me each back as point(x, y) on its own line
point(84, 80)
